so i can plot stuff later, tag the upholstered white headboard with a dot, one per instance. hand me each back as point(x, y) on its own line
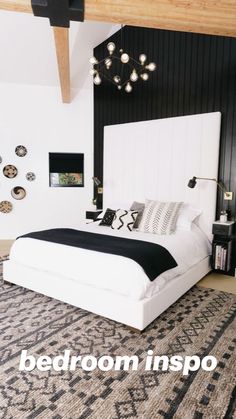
point(155, 159)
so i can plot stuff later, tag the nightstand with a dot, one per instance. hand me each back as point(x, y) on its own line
point(93, 215)
point(222, 246)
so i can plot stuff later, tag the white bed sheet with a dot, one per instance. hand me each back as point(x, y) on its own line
point(111, 272)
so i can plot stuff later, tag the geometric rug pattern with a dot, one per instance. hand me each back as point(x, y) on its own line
point(202, 322)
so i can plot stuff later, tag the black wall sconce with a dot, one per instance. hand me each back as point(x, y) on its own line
point(98, 192)
point(227, 195)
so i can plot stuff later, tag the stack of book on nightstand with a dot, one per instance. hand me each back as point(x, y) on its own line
point(222, 256)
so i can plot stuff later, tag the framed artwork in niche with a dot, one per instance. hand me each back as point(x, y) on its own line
point(66, 170)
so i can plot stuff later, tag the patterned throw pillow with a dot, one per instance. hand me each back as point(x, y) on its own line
point(160, 217)
point(108, 218)
point(124, 220)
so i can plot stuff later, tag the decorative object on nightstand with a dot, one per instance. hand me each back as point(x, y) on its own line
point(93, 215)
point(223, 217)
point(222, 245)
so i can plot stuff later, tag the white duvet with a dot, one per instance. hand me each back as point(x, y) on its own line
point(116, 273)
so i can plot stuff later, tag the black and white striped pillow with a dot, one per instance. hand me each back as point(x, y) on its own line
point(160, 217)
point(124, 220)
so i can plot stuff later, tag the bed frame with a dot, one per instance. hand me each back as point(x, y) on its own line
point(156, 147)
point(137, 314)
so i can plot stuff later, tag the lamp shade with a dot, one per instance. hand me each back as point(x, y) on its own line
point(192, 182)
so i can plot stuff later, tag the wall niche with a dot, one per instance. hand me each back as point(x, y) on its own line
point(66, 170)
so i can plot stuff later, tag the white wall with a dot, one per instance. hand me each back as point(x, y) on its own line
point(35, 117)
point(27, 50)
point(31, 113)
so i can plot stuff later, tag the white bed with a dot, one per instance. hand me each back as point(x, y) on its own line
point(119, 274)
point(114, 286)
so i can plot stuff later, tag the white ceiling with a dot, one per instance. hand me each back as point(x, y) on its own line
point(27, 53)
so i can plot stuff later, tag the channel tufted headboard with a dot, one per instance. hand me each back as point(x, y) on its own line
point(155, 159)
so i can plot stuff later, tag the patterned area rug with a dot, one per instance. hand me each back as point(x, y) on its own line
point(200, 323)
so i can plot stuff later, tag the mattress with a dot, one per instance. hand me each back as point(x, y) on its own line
point(111, 272)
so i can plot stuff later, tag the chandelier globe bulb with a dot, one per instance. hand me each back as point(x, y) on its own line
point(93, 60)
point(124, 58)
point(128, 87)
point(111, 47)
point(134, 75)
point(97, 80)
point(145, 76)
point(151, 67)
point(142, 58)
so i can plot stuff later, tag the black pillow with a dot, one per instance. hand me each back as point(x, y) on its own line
point(108, 218)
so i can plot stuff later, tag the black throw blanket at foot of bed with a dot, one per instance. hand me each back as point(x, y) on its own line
point(153, 258)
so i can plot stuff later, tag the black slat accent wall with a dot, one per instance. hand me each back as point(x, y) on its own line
point(196, 74)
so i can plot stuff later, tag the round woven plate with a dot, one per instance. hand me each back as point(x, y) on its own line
point(30, 176)
point(5, 207)
point(10, 171)
point(18, 193)
point(21, 151)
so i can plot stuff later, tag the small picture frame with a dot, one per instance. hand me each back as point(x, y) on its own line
point(66, 179)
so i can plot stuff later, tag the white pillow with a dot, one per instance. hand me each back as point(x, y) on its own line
point(159, 217)
point(124, 220)
point(187, 216)
point(100, 217)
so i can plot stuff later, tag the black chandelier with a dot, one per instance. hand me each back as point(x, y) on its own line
point(121, 70)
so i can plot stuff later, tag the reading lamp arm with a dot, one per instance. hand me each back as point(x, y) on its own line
point(215, 180)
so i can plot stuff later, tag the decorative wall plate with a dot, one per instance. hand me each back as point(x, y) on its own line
point(18, 192)
point(5, 207)
point(21, 151)
point(10, 171)
point(30, 176)
point(0, 159)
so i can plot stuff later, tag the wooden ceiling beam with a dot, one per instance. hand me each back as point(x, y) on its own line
point(200, 16)
point(61, 37)
point(214, 17)
point(16, 5)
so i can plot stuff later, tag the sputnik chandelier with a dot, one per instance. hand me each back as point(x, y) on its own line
point(121, 70)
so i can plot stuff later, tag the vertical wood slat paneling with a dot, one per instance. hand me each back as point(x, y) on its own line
point(195, 74)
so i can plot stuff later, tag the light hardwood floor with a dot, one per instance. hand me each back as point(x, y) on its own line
point(5, 246)
point(212, 280)
point(219, 282)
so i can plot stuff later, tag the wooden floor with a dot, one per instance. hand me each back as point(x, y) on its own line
point(212, 280)
point(5, 246)
point(219, 282)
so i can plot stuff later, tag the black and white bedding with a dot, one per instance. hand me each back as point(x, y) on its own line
point(153, 258)
point(93, 268)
